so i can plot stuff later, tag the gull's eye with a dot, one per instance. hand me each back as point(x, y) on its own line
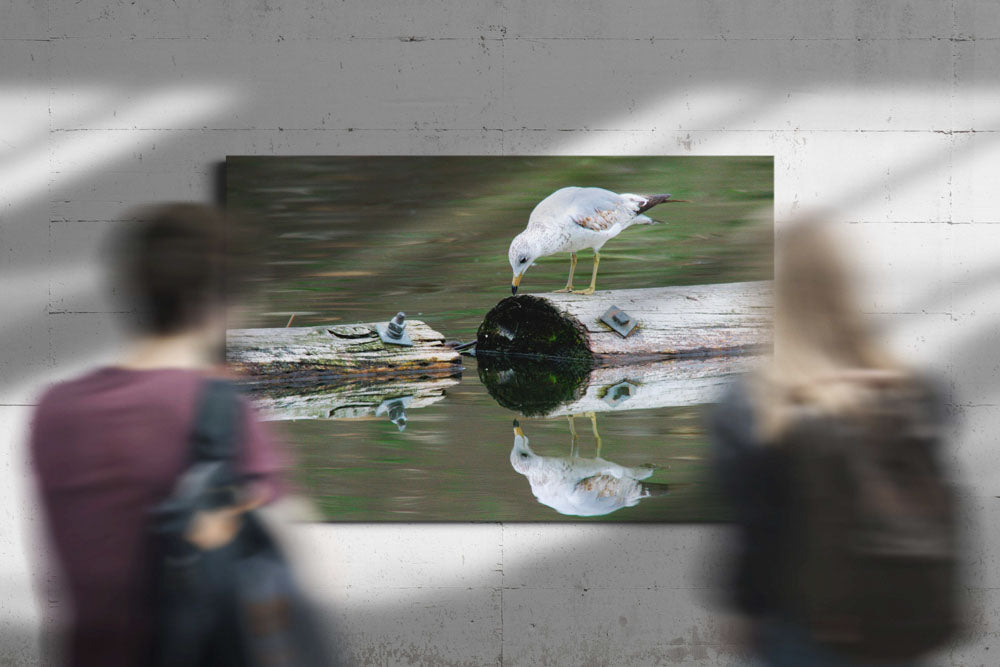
point(523, 260)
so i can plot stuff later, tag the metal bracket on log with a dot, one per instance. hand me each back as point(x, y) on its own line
point(619, 393)
point(395, 409)
point(619, 320)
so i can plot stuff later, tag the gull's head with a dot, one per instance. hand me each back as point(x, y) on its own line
point(523, 251)
point(521, 456)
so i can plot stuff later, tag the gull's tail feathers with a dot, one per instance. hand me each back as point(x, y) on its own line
point(651, 489)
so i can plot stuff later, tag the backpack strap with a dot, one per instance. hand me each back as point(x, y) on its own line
point(215, 438)
point(215, 434)
point(210, 479)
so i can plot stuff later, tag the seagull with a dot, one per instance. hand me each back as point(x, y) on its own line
point(572, 219)
point(579, 486)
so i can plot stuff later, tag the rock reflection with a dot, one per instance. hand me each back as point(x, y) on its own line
point(533, 387)
point(578, 486)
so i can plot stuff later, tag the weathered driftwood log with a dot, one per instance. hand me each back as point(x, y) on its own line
point(311, 355)
point(672, 322)
point(352, 399)
point(542, 388)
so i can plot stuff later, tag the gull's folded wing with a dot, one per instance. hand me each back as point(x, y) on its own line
point(599, 210)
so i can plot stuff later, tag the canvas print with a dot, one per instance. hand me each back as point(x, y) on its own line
point(502, 338)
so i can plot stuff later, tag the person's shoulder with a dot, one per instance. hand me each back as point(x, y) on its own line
point(59, 404)
point(932, 396)
point(932, 387)
point(248, 405)
point(112, 383)
point(736, 399)
point(731, 419)
point(62, 391)
point(901, 386)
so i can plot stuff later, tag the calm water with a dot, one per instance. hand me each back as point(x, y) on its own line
point(356, 239)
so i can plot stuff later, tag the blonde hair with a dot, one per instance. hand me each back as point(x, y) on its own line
point(826, 358)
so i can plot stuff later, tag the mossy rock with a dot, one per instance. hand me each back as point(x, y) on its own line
point(530, 327)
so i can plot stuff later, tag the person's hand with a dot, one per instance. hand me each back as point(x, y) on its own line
point(211, 529)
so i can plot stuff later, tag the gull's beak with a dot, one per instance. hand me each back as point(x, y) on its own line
point(515, 283)
point(517, 429)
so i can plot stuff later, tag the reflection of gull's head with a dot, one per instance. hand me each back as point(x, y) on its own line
point(521, 457)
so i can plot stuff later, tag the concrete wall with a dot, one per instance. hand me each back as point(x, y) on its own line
point(887, 110)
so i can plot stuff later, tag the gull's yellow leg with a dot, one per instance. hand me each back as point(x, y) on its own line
point(593, 427)
point(593, 277)
point(572, 268)
point(574, 443)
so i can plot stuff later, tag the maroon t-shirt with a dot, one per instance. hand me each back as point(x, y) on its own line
point(106, 447)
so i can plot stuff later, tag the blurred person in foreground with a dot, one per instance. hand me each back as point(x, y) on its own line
point(109, 446)
point(829, 453)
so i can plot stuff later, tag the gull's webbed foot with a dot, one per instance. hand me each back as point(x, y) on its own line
point(589, 290)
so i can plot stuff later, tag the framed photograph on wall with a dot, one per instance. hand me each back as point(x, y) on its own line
point(553, 404)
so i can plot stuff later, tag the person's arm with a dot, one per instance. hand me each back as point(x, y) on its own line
point(261, 461)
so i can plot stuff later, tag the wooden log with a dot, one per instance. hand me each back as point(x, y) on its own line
point(673, 322)
point(352, 399)
point(543, 388)
point(311, 355)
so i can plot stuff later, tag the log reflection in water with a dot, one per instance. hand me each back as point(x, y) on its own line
point(353, 400)
point(543, 388)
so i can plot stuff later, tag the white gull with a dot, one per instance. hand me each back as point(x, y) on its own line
point(572, 219)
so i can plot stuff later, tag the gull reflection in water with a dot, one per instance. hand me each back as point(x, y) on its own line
point(579, 486)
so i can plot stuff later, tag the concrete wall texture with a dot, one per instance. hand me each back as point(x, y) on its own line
point(888, 111)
